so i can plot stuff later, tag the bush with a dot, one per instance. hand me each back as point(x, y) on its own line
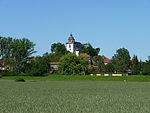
point(9, 73)
point(20, 80)
point(146, 68)
point(38, 68)
point(0, 76)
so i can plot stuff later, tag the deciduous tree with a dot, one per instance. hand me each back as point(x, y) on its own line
point(58, 48)
point(70, 64)
point(121, 60)
point(136, 65)
point(87, 48)
point(99, 61)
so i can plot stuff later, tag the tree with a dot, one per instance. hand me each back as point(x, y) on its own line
point(70, 64)
point(109, 68)
point(22, 50)
point(38, 67)
point(58, 48)
point(146, 68)
point(136, 65)
point(87, 48)
point(99, 61)
point(16, 51)
point(121, 60)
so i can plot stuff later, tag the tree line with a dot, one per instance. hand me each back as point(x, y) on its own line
point(17, 54)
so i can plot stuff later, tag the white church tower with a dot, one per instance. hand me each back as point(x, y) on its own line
point(72, 46)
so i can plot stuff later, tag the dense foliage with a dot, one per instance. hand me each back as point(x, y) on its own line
point(15, 52)
point(38, 67)
point(121, 60)
point(58, 48)
point(136, 66)
point(146, 68)
point(99, 61)
point(87, 48)
point(109, 68)
point(71, 64)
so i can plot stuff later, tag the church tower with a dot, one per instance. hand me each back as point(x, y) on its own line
point(72, 46)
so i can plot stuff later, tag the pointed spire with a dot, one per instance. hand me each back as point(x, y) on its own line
point(71, 39)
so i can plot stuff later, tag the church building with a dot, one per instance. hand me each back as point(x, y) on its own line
point(73, 46)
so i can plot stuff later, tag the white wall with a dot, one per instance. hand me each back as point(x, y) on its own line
point(71, 48)
point(77, 53)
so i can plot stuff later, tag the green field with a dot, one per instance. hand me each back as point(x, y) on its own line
point(139, 78)
point(37, 96)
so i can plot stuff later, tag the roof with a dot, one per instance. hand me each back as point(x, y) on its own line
point(71, 37)
point(104, 57)
point(106, 60)
point(54, 63)
point(86, 55)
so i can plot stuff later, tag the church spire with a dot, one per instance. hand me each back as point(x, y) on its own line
point(71, 39)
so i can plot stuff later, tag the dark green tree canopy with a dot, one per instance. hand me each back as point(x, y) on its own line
point(16, 49)
point(87, 48)
point(136, 68)
point(38, 67)
point(58, 48)
point(109, 68)
point(146, 68)
point(122, 54)
point(15, 52)
point(121, 60)
point(99, 61)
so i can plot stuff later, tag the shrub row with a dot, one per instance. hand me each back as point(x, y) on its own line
point(13, 73)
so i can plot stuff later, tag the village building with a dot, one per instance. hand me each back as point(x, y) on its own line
point(87, 56)
point(106, 60)
point(73, 46)
point(54, 65)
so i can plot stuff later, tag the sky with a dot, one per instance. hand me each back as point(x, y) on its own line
point(107, 24)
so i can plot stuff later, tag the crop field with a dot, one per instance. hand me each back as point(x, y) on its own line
point(74, 97)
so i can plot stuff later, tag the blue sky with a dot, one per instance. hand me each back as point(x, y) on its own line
point(107, 24)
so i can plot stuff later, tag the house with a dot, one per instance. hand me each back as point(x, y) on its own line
point(73, 46)
point(87, 56)
point(106, 60)
point(54, 65)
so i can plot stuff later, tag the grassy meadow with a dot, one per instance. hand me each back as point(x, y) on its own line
point(139, 78)
point(49, 96)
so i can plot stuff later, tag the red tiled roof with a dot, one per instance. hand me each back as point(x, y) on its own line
point(103, 57)
point(107, 60)
point(84, 54)
point(54, 63)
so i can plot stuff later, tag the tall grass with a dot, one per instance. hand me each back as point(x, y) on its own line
point(74, 97)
